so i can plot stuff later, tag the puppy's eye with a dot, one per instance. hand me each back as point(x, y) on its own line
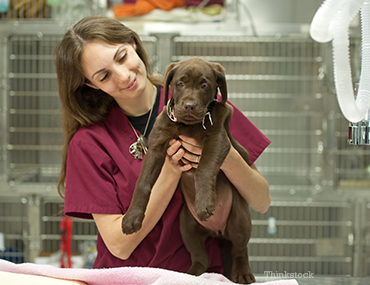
point(180, 84)
point(204, 86)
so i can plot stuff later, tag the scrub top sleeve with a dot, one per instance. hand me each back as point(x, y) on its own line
point(247, 134)
point(90, 184)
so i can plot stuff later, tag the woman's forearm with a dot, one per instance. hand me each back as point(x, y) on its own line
point(109, 226)
point(252, 186)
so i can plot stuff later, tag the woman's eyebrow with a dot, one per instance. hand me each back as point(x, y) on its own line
point(114, 57)
point(92, 77)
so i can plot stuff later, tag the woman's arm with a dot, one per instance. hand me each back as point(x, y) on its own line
point(109, 226)
point(253, 187)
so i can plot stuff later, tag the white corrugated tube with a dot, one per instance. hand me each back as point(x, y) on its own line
point(331, 22)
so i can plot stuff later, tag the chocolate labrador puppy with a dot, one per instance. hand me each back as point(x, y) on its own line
point(213, 205)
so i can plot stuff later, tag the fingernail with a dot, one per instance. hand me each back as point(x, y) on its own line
point(172, 141)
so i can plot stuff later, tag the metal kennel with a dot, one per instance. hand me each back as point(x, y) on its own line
point(320, 210)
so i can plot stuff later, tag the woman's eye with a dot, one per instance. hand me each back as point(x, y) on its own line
point(122, 57)
point(105, 76)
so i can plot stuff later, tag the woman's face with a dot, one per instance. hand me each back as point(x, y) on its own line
point(115, 69)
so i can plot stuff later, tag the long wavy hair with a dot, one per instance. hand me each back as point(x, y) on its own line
point(81, 104)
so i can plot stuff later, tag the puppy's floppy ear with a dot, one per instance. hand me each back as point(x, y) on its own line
point(219, 71)
point(171, 69)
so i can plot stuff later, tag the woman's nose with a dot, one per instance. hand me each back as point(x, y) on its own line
point(122, 74)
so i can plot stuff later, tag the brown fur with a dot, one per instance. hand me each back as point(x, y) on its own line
point(194, 84)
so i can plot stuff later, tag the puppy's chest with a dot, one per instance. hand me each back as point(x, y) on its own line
point(194, 130)
point(198, 131)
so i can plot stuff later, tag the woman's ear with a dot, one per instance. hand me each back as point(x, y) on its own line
point(88, 83)
point(133, 43)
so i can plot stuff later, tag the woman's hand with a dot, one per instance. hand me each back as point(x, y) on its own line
point(184, 153)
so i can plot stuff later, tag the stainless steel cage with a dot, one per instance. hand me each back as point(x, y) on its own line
point(283, 84)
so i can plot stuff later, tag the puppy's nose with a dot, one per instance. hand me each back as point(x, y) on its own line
point(189, 106)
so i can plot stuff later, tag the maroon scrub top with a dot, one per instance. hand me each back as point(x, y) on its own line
point(101, 176)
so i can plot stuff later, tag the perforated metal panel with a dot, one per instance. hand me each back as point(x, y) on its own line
point(277, 83)
point(82, 230)
point(13, 226)
point(34, 138)
point(313, 237)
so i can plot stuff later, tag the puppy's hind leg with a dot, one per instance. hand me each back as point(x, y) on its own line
point(238, 231)
point(227, 260)
point(194, 237)
point(242, 273)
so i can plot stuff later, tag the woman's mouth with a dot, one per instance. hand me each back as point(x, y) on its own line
point(131, 86)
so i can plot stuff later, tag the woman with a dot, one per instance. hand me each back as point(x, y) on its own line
point(110, 100)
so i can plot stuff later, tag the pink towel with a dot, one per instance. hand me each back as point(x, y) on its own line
point(124, 275)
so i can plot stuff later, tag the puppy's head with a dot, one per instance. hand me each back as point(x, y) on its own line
point(194, 85)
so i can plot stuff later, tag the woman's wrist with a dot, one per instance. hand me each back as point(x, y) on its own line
point(170, 170)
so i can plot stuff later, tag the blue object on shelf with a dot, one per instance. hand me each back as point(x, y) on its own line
point(4, 6)
point(271, 228)
point(12, 255)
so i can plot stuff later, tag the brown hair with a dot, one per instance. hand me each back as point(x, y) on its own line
point(81, 104)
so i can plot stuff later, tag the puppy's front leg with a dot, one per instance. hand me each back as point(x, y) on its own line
point(215, 150)
point(151, 168)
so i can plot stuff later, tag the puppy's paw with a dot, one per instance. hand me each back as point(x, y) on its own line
point(244, 278)
point(205, 206)
point(195, 271)
point(199, 267)
point(131, 222)
point(205, 214)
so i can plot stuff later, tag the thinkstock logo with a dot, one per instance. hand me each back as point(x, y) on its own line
point(286, 274)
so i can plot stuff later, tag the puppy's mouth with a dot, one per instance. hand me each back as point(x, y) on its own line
point(189, 117)
point(183, 116)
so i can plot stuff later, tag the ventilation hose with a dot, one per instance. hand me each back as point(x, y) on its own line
point(331, 22)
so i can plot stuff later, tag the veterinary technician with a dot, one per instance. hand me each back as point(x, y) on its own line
point(110, 98)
